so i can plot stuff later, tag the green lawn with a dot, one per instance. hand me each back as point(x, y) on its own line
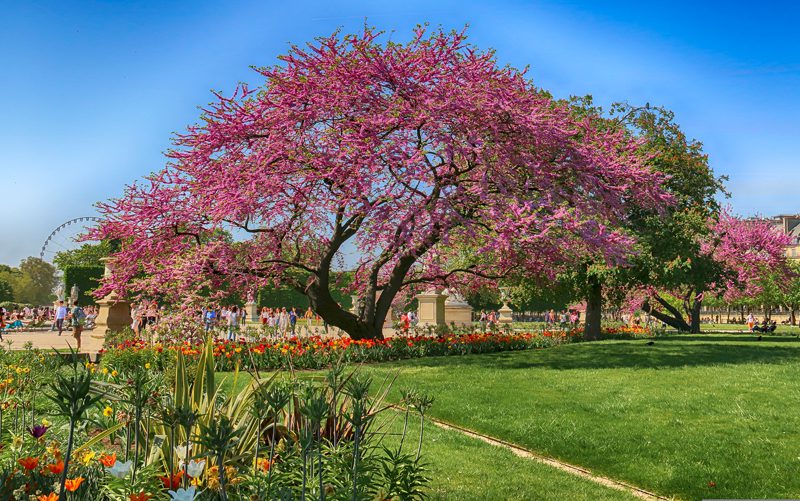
point(671, 417)
point(464, 468)
point(693, 416)
point(781, 329)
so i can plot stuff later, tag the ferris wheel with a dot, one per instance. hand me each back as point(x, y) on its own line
point(65, 237)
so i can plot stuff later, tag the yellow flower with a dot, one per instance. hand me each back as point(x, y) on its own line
point(114, 373)
point(87, 457)
point(45, 422)
point(147, 365)
point(105, 370)
point(108, 411)
point(16, 442)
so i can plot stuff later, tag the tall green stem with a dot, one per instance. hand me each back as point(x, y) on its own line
point(62, 495)
point(421, 433)
point(355, 458)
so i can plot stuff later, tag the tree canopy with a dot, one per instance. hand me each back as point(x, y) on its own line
point(406, 151)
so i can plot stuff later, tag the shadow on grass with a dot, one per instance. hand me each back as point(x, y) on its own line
point(740, 338)
point(633, 354)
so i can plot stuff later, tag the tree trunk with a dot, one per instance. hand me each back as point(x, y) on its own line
point(322, 302)
point(594, 306)
point(675, 320)
point(695, 327)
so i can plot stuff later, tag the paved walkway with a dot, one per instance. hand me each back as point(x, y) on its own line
point(46, 339)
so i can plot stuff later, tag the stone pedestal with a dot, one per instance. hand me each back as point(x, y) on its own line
point(505, 315)
point(114, 313)
point(431, 308)
point(252, 312)
point(459, 314)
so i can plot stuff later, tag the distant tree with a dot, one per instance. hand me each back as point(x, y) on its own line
point(35, 281)
point(6, 291)
point(739, 253)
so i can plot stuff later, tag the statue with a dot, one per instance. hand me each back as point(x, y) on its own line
point(251, 297)
point(73, 293)
point(454, 297)
point(60, 292)
point(504, 295)
point(505, 312)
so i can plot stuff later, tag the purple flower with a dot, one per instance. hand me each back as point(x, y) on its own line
point(37, 430)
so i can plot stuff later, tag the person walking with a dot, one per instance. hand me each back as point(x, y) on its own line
point(61, 315)
point(209, 318)
point(76, 319)
point(283, 321)
point(233, 324)
point(292, 320)
point(309, 316)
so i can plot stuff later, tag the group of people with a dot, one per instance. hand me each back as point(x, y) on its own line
point(407, 320)
point(284, 321)
point(62, 316)
point(564, 318)
point(764, 326)
point(143, 315)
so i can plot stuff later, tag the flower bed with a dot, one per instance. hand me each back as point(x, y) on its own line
point(316, 353)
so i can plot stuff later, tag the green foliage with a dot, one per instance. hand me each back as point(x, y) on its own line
point(32, 282)
point(6, 291)
point(87, 255)
point(284, 297)
point(87, 278)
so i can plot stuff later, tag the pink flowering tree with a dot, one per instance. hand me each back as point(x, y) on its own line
point(425, 160)
point(735, 256)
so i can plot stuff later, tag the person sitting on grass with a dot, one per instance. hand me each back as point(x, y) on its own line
point(764, 327)
point(16, 324)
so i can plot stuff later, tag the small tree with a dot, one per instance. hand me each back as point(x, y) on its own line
point(739, 254)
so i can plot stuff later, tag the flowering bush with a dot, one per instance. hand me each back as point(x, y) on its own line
point(127, 435)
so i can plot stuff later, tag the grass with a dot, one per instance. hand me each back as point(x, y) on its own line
point(463, 468)
point(673, 418)
point(693, 416)
point(781, 328)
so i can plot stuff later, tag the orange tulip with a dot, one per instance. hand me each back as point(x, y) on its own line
point(172, 483)
point(142, 496)
point(48, 497)
point(28, 463)
point(56, 468)
point(108, 460)
point(72, 484)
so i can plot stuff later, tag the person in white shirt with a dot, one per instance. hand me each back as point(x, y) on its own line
point(61, 314)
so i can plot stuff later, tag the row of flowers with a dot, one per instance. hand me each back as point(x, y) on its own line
point(316, 352)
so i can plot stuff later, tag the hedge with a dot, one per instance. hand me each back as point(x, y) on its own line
point(87, 278)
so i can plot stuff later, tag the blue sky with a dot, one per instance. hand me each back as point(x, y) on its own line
point(92, 91)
